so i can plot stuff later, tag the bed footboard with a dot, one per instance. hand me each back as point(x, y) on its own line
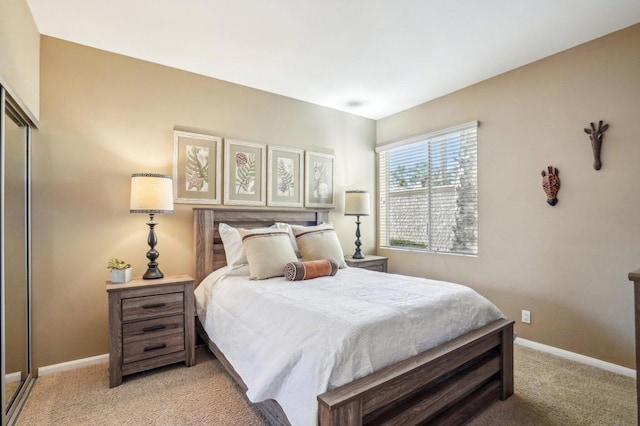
point(445, 385)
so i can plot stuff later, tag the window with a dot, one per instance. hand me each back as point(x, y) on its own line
point(429, 191)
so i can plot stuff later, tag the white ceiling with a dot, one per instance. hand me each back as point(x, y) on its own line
point(368, 57)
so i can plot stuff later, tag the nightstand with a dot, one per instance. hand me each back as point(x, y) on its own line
point(151, 324)
point(373, 263)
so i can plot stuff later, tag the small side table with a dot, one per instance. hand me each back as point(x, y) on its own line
point(373, 263)
point(151, 324)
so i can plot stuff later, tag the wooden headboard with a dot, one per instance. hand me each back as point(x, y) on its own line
point(209, 251)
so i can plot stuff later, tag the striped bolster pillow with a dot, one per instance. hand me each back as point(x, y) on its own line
point(298, 271)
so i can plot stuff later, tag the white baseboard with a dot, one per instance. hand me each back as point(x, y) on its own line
point(13, 377)
point(614, 368)
point(72, 365)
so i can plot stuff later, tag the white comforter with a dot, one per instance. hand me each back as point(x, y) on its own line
point(291, 341)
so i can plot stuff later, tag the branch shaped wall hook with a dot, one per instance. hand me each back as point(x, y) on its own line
point(551, 184)
point(596, 142)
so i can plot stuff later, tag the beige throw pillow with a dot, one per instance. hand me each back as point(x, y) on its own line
point(319, 242)
point(287, 227)
point(267, 250)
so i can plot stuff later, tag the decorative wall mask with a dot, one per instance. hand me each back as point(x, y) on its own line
point(596, 142)
point(551, 185)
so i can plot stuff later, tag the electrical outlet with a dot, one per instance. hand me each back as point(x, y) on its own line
point(526, 316)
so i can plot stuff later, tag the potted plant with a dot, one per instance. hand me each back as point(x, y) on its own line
point(120, 271)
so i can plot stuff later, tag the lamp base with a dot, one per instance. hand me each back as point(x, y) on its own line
point(358, 254)
point(152, 274)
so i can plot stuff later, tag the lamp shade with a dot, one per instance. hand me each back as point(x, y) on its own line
point(357, 203)
point(151, 193)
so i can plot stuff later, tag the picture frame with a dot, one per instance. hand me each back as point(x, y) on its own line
point(197, 168)
point(319, 180)
point(285, 176)
point(245, 173)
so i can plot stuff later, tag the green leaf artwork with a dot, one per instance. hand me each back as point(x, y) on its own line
point(197, 168)
point(285, 177)
point(245, 173)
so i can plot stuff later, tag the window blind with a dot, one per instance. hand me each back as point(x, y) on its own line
point(428, 188)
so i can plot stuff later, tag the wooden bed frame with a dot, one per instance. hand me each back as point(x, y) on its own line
point(445, 385)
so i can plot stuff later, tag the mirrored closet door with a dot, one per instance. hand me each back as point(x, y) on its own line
point(15, 258)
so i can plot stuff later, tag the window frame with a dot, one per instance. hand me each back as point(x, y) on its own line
point(384, 176)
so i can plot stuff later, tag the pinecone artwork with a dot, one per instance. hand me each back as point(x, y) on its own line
point(241, 159)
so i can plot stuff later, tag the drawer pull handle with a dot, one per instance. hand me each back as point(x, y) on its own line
point(155, 347)
point(154, 328)
point(154, 305)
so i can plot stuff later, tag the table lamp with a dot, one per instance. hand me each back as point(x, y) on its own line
point(357, 203)
point(151, 193)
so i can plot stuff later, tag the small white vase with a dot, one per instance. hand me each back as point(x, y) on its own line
point(119, 276)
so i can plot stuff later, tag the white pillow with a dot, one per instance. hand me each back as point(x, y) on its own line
point(232, 246)
point(319, 242)
point(268, 251)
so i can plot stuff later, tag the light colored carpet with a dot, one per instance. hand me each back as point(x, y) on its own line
point(172, 395)
point(549, 391)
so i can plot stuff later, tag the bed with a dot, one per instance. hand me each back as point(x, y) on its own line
point(446, 384)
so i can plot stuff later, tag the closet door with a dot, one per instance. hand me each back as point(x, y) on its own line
point(14, 250)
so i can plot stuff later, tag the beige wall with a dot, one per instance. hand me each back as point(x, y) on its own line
point(568, 264)
point(20, 55)
point(105, 116)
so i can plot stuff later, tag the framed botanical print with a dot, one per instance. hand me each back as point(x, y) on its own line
point(285, 174)
point(197, 168)
point(319, 180)
point(245, 173)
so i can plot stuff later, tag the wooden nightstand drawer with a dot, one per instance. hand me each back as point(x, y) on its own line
point(370, 262)
point(136, 308)
point(377, 268)
point(152, 347)
point(140, 330)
